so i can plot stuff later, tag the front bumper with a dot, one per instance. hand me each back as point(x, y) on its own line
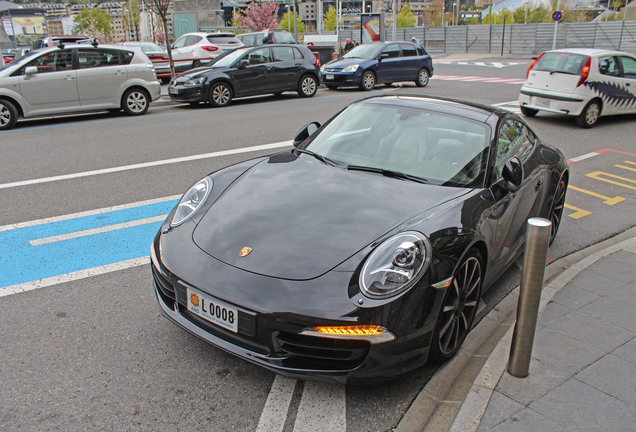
point(340, 78)
point(181, 93)
point(555, 103)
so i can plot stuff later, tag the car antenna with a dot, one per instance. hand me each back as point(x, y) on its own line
point(95, 42)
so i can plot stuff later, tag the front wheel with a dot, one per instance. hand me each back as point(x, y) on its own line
point(307, 86)
point(8, 114)
point(590, 115)
point(135, 102)
point(459, 307)
point(220, 95)
point(368, 81)
point(528, 112)
point(556, 210)
point(422, 78)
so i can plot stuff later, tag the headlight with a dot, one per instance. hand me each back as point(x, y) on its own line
point(191, 201)
point(395, 265)
point(322, 68)
point(351, 68)
point(192, 82)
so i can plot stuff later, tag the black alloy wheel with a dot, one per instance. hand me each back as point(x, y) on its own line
point(459, 307)
point(8, 114)
point(196, 64)
point(135, 101)
point(308, 86)
point(590, 115)
point(556, 210)
point(422, 78)
point(367, 82)
point(220, 95)
point(528, 112)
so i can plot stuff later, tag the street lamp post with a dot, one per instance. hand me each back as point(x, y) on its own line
point(503, 33)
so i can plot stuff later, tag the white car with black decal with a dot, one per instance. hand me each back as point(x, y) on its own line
point(583, 82)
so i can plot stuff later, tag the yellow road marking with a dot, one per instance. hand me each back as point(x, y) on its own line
point(624, 167)
point(597, 175)
point(578, 213)
point(608, 200)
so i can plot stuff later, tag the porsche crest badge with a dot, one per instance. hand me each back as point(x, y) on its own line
point(245, 251)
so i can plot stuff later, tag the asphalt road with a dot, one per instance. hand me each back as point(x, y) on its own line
point(92, 353)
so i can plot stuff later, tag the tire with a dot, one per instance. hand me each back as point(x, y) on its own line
point(220, 95)
point(196, 64)
point(556, 209)
point(307, 86)
point(8, 115)
point(422, 78)
point(590, 115)
point(367, 82)
point(528, 112)
point(135, 101)
point(458, 309)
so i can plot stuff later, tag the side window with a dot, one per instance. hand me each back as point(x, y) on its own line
point(629, 67)
point(126, 57)
point(392, 51)
point(609, 66)
point(53, 61)
point(408, 50)
point(191, 40)
point(513, 140)
point(283, 53)
point(181, 42)
point(297, 54)
point(94, 58)
point(258, 56)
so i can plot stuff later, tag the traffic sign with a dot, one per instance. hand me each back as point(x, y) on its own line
point(557, 15)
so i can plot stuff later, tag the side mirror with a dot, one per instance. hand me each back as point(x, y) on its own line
point(305, 132)
point(30, 70)
point(242, 64)
point(512, 174)
point(383, 56)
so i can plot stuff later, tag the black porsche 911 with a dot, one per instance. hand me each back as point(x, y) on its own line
point(362, 252)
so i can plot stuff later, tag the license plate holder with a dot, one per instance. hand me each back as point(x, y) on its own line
point(542, 102)
point(213, 310)
point(329, 77)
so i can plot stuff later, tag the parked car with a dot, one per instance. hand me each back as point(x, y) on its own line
point(369, 64)
point(49, 41)
point(256, 38)
point(158, 56)
point(192, 50)
point(249, 71)
point(582, 82)
point(363, 251)
point(77, 78)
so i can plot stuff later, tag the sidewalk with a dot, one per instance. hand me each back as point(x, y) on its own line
point(583, 366)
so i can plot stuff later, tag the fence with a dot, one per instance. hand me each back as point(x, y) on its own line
point(519, 39)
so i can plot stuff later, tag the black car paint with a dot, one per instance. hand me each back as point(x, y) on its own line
point(460, 220)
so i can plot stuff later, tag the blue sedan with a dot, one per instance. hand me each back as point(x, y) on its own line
point(370, 64)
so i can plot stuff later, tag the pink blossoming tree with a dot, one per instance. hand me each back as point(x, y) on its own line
point(257, 17)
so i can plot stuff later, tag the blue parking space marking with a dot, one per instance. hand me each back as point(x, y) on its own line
point(20, 262)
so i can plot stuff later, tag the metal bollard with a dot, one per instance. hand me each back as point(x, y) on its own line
point(536, 252)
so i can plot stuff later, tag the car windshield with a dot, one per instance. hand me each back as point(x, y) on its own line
point(396, 139)
point(20, 60)
point(227, 59)
point(561, 62)
point(363, 51)
point(284, 38)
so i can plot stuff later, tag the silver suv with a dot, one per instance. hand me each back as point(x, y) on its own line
point(76, 78)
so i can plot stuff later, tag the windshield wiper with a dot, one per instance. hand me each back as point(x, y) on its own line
point(388, 173)
point(320, 157)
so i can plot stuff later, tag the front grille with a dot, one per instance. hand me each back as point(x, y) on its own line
point(164, 288)
point(310, 352)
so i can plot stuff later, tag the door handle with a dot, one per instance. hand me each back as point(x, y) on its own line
point(69, 78)
point(119, 72)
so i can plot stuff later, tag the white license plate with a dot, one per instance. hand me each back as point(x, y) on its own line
point(213, 310)
point(329, 77)
point(542, 102)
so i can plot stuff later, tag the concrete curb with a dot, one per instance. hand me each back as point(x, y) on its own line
point(456, 398)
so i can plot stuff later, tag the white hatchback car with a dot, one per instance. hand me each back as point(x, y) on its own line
point(193, 49)
point(75, 78)
point(586, 83)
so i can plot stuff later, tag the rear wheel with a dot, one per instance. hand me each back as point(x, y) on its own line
point(220, 95)
point(528, 112)
point(196, 64)
point(556, 210)
point(590, 115)
point(8, 114)
point(368, 81)
point(422, 78)
point(459, 307)
point(307, 86)
point(135, 102)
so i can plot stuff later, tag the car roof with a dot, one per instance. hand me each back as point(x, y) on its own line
point(205, 34)
point(587, 51)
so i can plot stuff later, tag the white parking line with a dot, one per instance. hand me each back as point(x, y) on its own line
point(276, 407)
point(147, 164)
point(322, 408)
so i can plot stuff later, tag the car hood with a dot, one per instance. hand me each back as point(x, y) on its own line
point(301, 218)
point(206, 70)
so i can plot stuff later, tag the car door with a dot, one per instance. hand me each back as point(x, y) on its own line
point(54, 87)
point(255, 77)
point(286, 67)
point(513, 208)
point(628, 82)
point(409, 62)
point(389, 64)
point(101, 76)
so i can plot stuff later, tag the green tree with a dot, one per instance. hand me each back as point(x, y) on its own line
point(405, 18)
point(287, 22)
point(131, 22)
point(94, 23)
point(330, 19)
